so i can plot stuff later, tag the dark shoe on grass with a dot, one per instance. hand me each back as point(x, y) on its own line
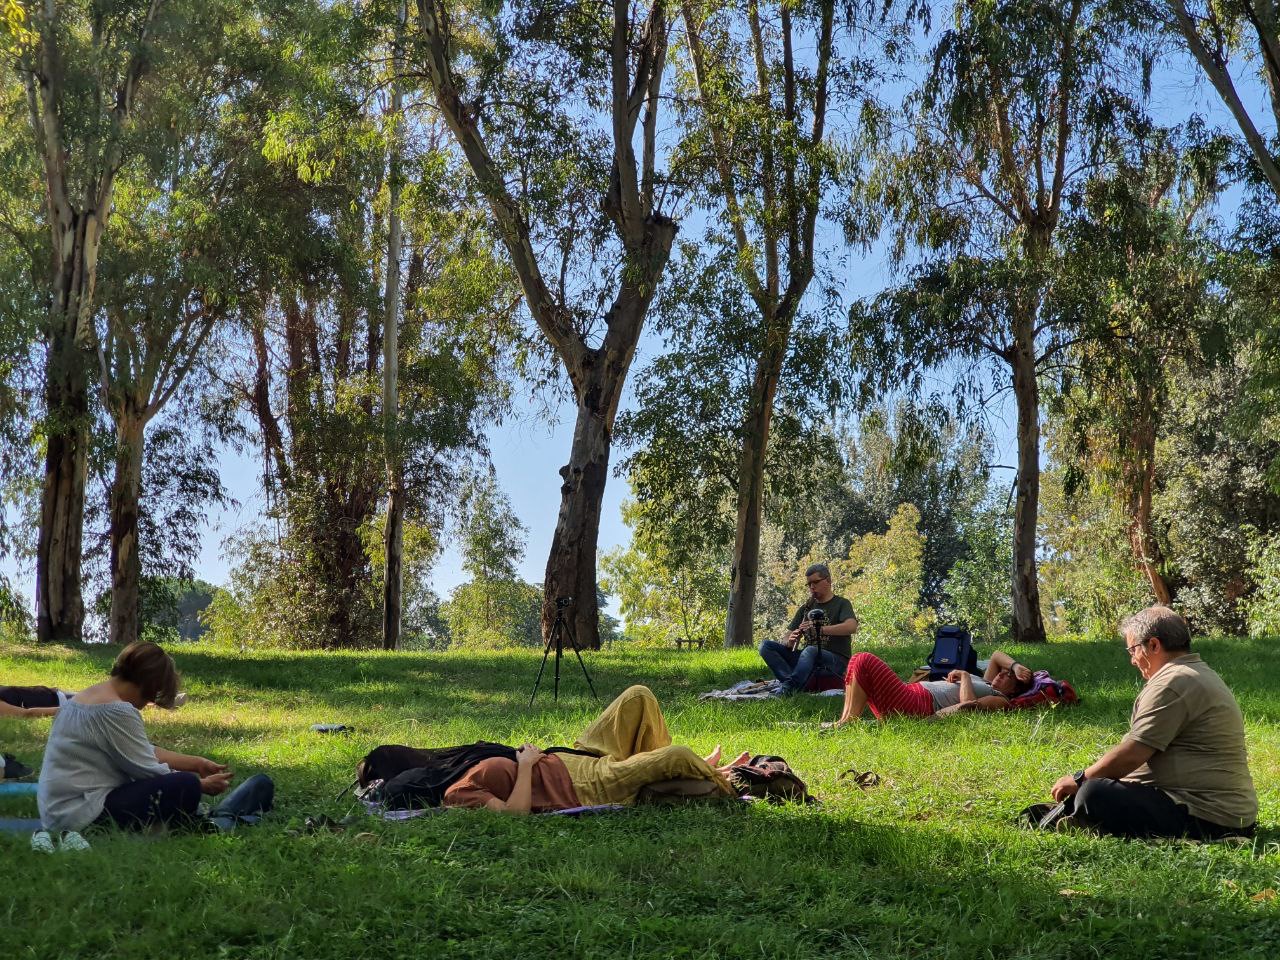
point(15, 769)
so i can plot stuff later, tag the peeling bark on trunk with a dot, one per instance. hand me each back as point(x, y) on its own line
point(1028, 625)
point(126, 565)
point(571, 565)
point(739, 623)
point(59, 603)
point(393, 529)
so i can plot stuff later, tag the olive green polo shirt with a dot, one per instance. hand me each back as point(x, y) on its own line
point(838, 609)
point(1191, 719)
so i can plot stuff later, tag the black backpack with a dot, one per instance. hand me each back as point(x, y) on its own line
point(952, 650)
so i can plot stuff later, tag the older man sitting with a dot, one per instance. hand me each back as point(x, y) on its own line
point(1181, 770)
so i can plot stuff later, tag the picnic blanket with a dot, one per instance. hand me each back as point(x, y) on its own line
point(761, 690)
point(378, 810)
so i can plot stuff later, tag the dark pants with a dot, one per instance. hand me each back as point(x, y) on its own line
point(28, 697)
point(171, 799)
point(1136, 810)
point(794, 668)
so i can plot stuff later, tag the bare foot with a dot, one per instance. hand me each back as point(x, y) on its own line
point(831, 724)
point(713, 757)
point(743, 757)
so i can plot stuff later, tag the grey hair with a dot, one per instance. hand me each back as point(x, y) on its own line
point(820, 568)
point(1161, 623)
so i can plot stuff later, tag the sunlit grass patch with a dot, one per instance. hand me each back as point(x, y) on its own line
point(928, 863)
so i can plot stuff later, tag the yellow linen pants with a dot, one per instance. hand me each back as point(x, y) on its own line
point(635, 750)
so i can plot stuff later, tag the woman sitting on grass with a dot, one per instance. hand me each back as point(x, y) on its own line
point(99, 766)
point(870, 682)
point(631, 749)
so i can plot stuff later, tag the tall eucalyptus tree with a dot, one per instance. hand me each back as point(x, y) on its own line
point(1019, 102)
point(546, 101)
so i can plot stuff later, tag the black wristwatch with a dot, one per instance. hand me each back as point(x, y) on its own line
point(1079, 777)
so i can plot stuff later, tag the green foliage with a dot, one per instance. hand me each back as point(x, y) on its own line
point(171, 609)
point(495, 608)
point(1089, 583)
point(15, 619)
point(491, 536)
point(883, 576)
point(494, 613)
point(663, 597)
point(1216, 483)
point(1262, 608)
point(977, 585)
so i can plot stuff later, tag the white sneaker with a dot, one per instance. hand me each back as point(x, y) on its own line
point(41, 842)
point(72, 841)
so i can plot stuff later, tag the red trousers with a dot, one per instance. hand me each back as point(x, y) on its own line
point(886, 694)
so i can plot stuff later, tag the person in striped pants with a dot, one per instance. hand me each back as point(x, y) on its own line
point(871, 683)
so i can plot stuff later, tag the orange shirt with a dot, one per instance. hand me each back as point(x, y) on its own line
point(496, 777)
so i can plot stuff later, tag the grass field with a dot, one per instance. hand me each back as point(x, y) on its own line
point(928, 864)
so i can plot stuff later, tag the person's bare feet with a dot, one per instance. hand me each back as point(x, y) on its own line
point(743, 757)
point(713, 757)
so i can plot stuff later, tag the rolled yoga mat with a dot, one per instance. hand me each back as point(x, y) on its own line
point(18, 825)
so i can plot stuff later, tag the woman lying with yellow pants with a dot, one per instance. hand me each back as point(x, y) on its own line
point(630, 746)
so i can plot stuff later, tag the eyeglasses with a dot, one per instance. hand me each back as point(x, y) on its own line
point(814, 583)
point(1140, 643)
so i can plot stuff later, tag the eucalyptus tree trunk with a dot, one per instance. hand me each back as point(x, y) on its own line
point(393, 530)
point(126, 565)
point(596, 373)
point(758, 419)
point(571, 564)
point(76, 223)
point(59, 604)
point(1140, 480)
point(1028, 624)
point(789, 198)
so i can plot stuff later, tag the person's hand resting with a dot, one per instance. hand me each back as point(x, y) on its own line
point(216, 783)
point(955, 676)
point(204, 767)
point(1022, 673)
point(1065, 787)
point(528, 755)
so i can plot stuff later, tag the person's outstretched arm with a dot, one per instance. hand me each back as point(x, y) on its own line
point(9, 710)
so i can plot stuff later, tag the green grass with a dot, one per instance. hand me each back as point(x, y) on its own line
point(926, 865)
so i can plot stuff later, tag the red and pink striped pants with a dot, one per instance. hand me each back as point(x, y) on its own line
point(887, 694)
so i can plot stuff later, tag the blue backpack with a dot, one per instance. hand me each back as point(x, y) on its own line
point(952, 650)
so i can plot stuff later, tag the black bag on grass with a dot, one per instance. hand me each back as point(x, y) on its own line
point(952, 650)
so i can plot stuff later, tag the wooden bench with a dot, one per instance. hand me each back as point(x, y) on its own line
point(680, 644)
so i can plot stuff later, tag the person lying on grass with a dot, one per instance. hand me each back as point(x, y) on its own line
point(32, 701)
point(870, 682)
point(99, 766)
point(630, 746)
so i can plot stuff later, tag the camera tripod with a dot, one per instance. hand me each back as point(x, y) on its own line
point(559, 630)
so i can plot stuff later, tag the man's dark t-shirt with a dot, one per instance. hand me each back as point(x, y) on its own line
point(838, 609)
